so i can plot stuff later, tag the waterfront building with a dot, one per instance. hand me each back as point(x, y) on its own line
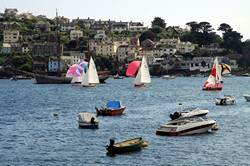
point(102, 25)
point(9, 25)
point(46, 49)
point(39, 67)
point(86, 22)
point(6, 48)
point(42, 26)
point(11, 36)
point(126, 53)
point(67, 27)
point(74, 57)
point(75, 34)
point(53, 66)
point(119, 26)
point(137, 27)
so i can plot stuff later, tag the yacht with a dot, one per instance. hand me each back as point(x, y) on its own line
point(186, 126)
point(187, 113)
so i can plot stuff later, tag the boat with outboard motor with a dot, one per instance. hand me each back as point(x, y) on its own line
point(189, 112)
point(226, 100)
point(247, 97)
point(112, 108)
point(130, 145)
point(87, 120)
point(185, 126)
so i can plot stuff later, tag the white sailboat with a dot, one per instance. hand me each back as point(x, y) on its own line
point(143, 75)
point(76, 79)
point(90, 78)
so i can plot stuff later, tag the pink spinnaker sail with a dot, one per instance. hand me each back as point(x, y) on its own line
point(133, 68)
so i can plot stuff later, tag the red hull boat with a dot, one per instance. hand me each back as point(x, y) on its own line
point(109, 112)
point(113, 108)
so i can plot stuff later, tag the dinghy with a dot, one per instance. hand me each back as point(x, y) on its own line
point(247, 97)
point(142, 75)
point(112, 108)
point(87, 120)
point(90, 78)
point(126, 146)
point(214, 81)
point(226, 100)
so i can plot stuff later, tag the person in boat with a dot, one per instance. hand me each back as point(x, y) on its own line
point(222, 101)
point(175, 115)
point(111, 143)
point(92, 120)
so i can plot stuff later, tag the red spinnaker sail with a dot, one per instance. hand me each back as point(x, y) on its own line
point(133, 68)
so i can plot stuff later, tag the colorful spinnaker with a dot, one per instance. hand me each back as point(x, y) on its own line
point(76, 71)
point(133, 68)
point(225, 68)
point(214, 81)
point(72, 71)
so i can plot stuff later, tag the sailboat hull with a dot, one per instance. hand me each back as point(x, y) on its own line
point(90, 85)
point(42, 79)
point(213, 88)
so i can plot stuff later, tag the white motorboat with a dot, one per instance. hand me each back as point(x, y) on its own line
point(87, 120)
point(186, 126)
point(247, 97)
point(226, 100)
point(187, 113)
point(168, 77)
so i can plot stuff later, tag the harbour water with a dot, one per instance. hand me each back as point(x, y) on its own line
point(31, 135)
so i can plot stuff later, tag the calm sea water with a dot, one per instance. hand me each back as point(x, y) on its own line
point(31, 135)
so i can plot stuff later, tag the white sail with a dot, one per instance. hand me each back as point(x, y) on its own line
point(143, 75)
point(85, 80)
point(91, 76)
point(92, 73)
point(76, 79)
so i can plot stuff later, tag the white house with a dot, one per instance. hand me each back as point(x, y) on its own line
point(67, 27)
point(74, 56)
point(75, 34)
point(137, 27)
point(11, 36)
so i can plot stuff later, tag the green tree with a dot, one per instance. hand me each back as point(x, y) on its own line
point(158, 21)
point(147, 35)
point(231, 39)
point(225, 28)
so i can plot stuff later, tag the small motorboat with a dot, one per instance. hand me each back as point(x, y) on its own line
point(187, 113)
point(112, 108)
point(87, 120)
point(168, 77)
point(103, 78)
point(247, 97)
point(117, 76)
point(13, 78)
point(226, 100)
point(126, 146)
point(246, 74)
point(186, 126)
